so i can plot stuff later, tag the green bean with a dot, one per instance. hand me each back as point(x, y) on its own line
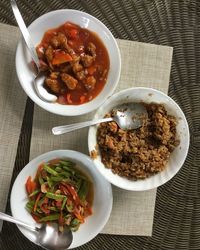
point(34, 193)
point(56, 178)
point(41, 181)
point(53, 209)
point(67, 163)
point(82, 193)
point(50, 170)
point(63, 203)
point(58, 169)
point(49, 181)
point(50, 218)
point(55, 196)
point(29, 205)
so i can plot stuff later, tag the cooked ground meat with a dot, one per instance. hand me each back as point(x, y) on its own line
point(138, 154)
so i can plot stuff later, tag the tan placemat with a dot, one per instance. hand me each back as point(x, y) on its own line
point(12, 104)
point(142, 65)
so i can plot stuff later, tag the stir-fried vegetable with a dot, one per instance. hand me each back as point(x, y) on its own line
point(59, 193)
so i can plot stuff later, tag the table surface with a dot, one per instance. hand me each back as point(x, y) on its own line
point(174, 23)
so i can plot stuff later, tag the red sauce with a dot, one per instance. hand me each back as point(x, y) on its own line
point(77, 39)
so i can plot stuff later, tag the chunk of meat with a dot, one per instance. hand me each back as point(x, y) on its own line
point(75, 59)
point(80, 75)
point(87, 60)
point(90, 83)
point(70, 81)
point(65, 67)
point(58, 41)
point(49, 53)
point(91, 49)
point(77, 67)
point(54, 85)
point(54, 75)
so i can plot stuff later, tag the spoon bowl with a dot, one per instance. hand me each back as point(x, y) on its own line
point(127, 116)
point(47, 235)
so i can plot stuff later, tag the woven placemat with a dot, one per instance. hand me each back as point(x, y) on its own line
point(174, 23)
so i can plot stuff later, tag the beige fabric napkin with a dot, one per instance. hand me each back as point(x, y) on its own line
point(142, 65)
point(12, 104)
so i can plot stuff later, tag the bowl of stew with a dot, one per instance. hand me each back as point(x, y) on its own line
point(79, 57)
point(62, 187)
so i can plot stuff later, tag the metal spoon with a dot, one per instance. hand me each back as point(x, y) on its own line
point(127, 116)
point(48, 235)
point(39, 78)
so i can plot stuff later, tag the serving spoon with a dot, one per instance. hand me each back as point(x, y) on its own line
point(39, 77)
point(48, 235)
point(127, 116)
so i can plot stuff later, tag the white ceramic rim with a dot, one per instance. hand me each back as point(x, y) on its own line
point(73, 154)
point(97, 101)
point(100, 165)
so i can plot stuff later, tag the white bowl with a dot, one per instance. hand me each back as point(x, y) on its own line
point(102, 203)
point(52, 20)
point(177, 157)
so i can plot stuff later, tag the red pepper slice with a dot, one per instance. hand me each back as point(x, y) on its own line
point(30, 185)
point(44, 206)
point(61, 57)
point(76, 212)
point(73, 194)
point(36, 202)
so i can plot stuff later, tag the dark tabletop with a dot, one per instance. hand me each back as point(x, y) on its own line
point(167, 22)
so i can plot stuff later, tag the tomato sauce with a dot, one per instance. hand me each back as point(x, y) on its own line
point(77, 39)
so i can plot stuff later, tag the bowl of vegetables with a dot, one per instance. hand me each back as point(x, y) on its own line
point(79, 58)
point(63, 187)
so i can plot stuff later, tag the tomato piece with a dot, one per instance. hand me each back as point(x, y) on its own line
point(30, 185)
point(61, 57)
point(73, 33)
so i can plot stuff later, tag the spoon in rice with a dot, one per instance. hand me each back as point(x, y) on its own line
point(39, 78)
point(47, 235)
point(128, 116)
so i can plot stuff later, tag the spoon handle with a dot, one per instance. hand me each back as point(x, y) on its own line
point(9, 218)
point(68, 128)
point(24, 32)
